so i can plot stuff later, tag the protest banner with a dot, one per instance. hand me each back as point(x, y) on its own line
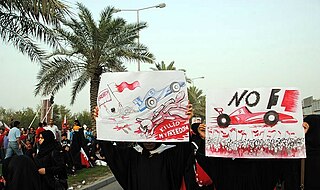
point(143, 106)
point(254, 123)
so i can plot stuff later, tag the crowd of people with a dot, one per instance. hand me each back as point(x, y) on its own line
point(47, 155)
point(51, 154)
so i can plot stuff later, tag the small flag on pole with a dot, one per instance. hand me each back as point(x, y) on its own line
point(84, 159)
point(64, 122)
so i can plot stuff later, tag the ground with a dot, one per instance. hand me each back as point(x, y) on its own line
point(88, 176)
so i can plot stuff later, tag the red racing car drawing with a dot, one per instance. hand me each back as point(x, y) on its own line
point(244, 116)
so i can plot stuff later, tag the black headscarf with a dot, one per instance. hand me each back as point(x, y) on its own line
point(48, 144)
point(195, 127)
point(21, 173)
point(313, 134)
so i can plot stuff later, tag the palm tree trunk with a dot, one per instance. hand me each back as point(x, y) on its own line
point(94, 87)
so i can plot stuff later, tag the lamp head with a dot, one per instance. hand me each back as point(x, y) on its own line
point(162, 5)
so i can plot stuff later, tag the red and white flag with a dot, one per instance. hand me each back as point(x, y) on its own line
point(64, 122)
point(84, 158)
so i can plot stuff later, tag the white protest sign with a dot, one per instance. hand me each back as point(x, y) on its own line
point(254, 123)
point(143, 106)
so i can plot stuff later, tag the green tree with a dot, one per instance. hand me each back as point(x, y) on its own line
point(163, 67)
point(25, 116)
point(198, 101)
point(92, 49)
point(59, 111)
point(21, 22)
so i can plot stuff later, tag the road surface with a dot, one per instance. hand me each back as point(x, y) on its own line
point(112, 186)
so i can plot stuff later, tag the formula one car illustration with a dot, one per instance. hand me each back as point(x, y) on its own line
point(152, 97)
point(244, 116)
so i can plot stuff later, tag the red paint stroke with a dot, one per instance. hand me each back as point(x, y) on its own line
point(290, 100)
point(124, 117)
point(104, 95)
point(125, 85)
point(225, 136)
point(124, 127)
point(223, 132)
point(289, 133)
point(255, 131)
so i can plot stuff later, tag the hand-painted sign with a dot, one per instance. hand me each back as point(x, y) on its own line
point(143, 106)
point(252, 123)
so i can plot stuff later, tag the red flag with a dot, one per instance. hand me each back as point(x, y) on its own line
point(202, 177)
point(125, 85)
point(84, 158)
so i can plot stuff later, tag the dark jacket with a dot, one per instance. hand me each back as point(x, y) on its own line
point(138, 171)
point(54, 166)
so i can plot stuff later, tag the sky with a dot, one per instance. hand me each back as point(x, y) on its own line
point(231, 43)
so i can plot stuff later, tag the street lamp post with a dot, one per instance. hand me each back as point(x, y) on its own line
point(192, 79)
point(161, 5)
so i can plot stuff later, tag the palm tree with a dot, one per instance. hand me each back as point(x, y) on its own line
point(162, 66)
point(22, 22)
point(91, 49)
point(198, 101)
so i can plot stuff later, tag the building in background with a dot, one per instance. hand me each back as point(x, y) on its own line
point(310, 106)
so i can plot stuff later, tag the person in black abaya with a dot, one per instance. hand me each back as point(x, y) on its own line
point(148, 165)
point(198, 168)
point(49, 161)
point(312, 162)
point(20, 173)
point(245, 174)
point(77, 142)
point(291, 177)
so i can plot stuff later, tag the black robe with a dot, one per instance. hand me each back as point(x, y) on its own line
point(244, 174)
point(21, 173)
point(312, 162)
point(135, 171)
point(292, 168)
point(198, 154)
point(76, 144)
point(50, 157)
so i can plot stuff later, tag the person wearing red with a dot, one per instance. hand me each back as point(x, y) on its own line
point(2, 134)
point(24, 135)
point(38, 131)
